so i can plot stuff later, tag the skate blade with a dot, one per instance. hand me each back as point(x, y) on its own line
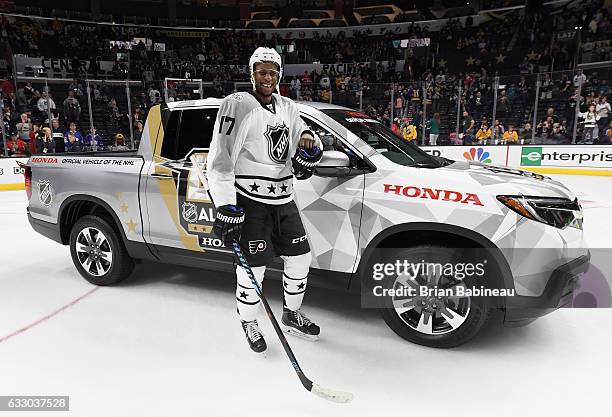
point(261, 354)
point(301, 335)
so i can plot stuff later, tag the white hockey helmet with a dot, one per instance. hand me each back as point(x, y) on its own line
point(262, 54)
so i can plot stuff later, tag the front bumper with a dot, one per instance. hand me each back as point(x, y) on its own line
point(559, 291)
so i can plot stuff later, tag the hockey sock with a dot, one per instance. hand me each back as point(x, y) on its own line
point(295, 277)
point(247, 300)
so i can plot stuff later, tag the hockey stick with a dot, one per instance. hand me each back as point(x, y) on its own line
point(328, 394)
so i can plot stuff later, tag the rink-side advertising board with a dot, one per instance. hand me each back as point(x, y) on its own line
point(11, 175)
point(548, 159)
point(495, 155)
point(577, 156)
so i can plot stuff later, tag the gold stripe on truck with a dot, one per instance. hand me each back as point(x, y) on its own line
point(167, 188)
point(156, 129)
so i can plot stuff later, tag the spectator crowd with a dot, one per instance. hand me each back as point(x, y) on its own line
point(491, 74)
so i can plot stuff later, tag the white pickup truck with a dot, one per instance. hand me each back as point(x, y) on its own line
point(372, 192)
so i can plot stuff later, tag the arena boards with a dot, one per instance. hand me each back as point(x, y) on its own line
point(589, 160)
point(11, 177)
point(545, 159)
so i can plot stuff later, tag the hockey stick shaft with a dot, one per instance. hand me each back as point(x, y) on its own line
point(330, 395)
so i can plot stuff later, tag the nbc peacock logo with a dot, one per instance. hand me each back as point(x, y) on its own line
point(479, 155)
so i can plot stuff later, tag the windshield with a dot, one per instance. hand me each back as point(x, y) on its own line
point(381, 138)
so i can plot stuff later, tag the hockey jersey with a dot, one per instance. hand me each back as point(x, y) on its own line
point(251, 149)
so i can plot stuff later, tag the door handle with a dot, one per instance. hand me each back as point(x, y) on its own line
point(162, 176)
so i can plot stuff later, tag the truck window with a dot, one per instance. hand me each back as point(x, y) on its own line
point(332, 143)
point(168, 149)
point(329, 140)
point(195, 129)
point(381, 138)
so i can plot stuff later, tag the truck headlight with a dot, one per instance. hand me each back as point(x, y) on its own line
point(557, 212)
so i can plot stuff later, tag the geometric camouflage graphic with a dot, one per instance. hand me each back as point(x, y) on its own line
point(513, 234)
point(331, 212)
point(341, 219)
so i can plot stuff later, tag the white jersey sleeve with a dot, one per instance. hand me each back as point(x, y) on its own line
point(299, 126)
point(228, 138)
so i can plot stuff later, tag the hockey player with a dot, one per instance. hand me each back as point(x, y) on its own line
point(259, 143)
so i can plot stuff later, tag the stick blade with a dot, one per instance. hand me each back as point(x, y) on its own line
point(331, 395)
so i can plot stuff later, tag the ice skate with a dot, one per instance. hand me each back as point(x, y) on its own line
point(254, 336)
point(297, 324)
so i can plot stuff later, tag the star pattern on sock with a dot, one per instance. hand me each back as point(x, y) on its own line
point(243, 294)
point(271, 189)
point(283, 188)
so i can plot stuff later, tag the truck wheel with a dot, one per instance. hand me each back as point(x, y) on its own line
point(98, 253)
point(434, 321)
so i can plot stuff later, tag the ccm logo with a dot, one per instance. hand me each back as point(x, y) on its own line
point(299, 239)
point(431, 194)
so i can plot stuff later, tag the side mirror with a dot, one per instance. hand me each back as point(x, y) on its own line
point(336, 164)
point(334, 159)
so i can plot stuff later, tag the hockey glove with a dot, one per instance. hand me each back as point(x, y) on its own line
point(305, 161)
point(228, 224)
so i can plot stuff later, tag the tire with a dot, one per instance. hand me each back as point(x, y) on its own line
point(456, 320)
point(98, 252)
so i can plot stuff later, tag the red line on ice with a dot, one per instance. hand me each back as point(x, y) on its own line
point(48, 316)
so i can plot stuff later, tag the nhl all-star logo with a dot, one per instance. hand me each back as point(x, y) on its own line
point(278, 142)
point(45, 193)
point(190, 212)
